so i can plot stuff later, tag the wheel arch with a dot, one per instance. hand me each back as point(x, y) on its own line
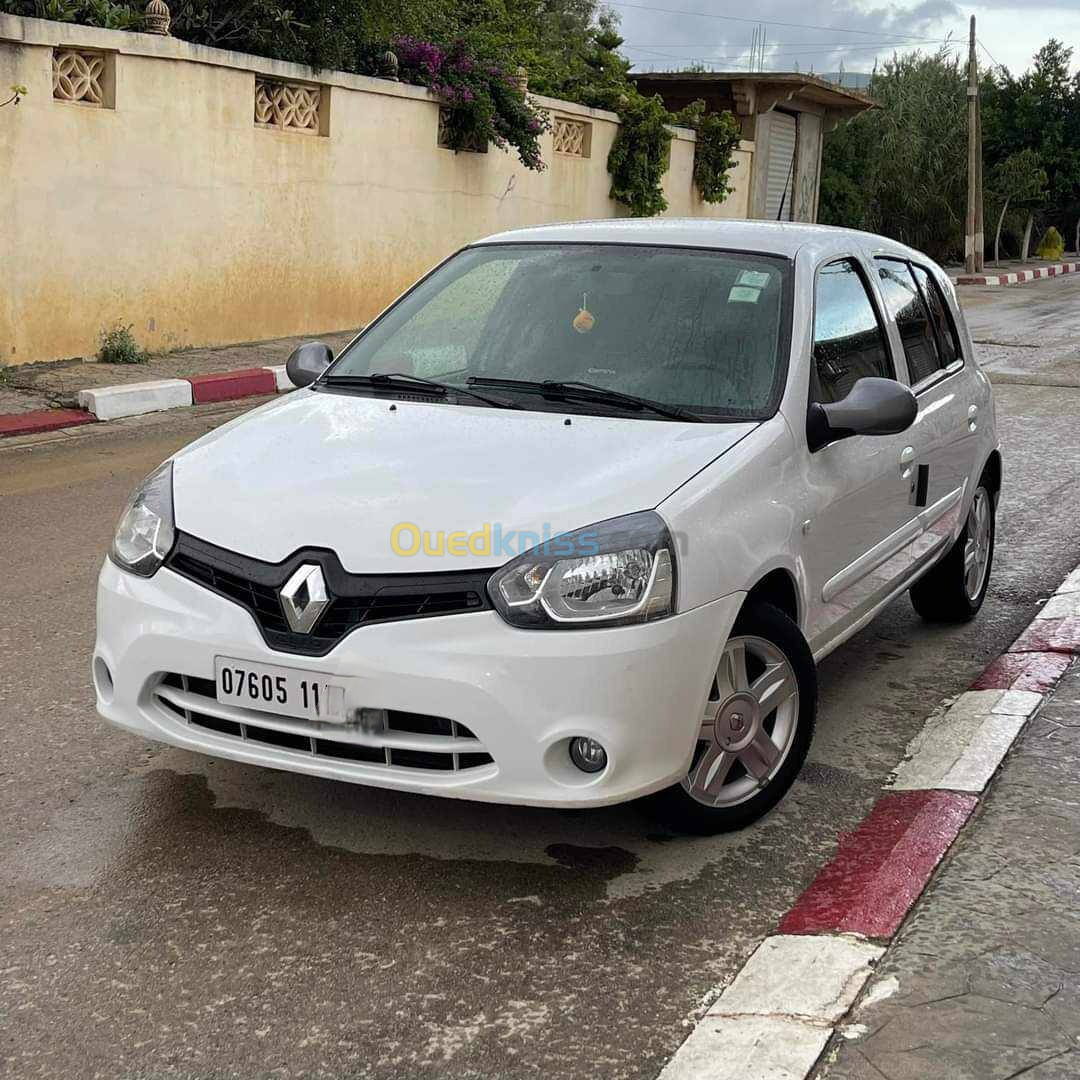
point(992, 472)
point(778, 588)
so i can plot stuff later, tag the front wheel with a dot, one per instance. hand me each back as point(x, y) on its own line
point(954, 590)
point(755, 731)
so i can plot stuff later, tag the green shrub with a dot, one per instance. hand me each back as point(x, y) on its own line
point(106, 13)
point(718, 137)
point(1052, 245)
point(118, 346)
point(639, 156)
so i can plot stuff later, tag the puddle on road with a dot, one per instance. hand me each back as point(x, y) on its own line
point(619, 843)
point(146, 824)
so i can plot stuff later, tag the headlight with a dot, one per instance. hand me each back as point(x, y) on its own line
point(145, 534)
point(617, 572)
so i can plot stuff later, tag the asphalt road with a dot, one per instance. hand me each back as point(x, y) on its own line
point(167, 915)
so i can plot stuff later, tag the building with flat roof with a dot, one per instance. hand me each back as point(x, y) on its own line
point(785, 115)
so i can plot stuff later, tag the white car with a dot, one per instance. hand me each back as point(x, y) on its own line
point(568, 524)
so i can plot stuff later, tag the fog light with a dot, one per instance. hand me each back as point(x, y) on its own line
point(587, 754)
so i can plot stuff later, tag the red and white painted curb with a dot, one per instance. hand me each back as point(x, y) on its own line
point(776, 1017)
point(31, 423)
point(156, 395)
point(1019, 277)
point(133, 399)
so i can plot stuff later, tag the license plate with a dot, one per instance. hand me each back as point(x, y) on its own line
point(272, 689)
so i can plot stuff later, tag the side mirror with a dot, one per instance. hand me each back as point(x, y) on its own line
point(874, 407)
point(308, 362)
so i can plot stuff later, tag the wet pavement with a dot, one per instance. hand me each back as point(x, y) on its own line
point(163, 914)
point(984, 979)
point(1026, 333)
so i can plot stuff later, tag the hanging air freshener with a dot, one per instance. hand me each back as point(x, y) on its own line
point(584, 320)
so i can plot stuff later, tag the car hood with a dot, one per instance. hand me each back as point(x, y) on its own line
point(340, 471)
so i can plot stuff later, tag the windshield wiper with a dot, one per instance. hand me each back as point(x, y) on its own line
point(423, 386)
point(584, 391)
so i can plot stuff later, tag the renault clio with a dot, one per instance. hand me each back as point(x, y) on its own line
point(569, 524)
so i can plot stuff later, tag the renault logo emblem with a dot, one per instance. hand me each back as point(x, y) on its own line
point(304, 599)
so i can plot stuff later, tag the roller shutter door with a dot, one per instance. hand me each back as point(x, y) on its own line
point(783, 136)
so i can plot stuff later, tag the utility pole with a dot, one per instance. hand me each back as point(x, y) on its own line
point(973, 239)
point(980, 226)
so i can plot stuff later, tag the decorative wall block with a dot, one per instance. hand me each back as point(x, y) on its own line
point(472, 145)
point(290, 107)
point(81, 77)
point(571, 137)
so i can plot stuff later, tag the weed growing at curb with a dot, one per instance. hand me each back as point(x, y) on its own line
point(118, 346)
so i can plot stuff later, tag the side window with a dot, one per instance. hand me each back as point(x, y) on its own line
point(849, 342)
point(946, 330)
point(905, 305)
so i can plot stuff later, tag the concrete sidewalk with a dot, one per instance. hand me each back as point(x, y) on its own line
point(42, 386)
point(983, 982)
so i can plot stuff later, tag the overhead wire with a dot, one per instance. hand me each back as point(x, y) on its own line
point(989, 53)
point(765, 22)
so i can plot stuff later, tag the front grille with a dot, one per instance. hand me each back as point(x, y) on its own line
point(356, 599)
point(410, 741)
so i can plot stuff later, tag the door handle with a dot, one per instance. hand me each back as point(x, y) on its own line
point(907, 456)
point(973, 414)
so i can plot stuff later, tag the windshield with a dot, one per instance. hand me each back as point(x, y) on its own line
point(702, 330)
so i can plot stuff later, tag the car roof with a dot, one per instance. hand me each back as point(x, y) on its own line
point(763, 237)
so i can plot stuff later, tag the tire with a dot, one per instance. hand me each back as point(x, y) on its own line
point(731, 781)
point(954, 590)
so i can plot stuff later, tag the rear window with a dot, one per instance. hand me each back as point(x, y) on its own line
point(904, 302)
point(706, 330)
point(948, 342)
point(915, 301)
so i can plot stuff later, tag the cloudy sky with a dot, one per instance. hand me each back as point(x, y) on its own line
point(822, 33)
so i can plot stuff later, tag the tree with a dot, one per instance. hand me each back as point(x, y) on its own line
point(1019, 180)
point(900, 169)
point(1039, 111)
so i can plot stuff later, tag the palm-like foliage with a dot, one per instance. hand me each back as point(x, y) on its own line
point(901, 169)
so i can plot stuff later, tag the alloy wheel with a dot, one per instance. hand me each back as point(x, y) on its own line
point(977, 547)
point(748, 726)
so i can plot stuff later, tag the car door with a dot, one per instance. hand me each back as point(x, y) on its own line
point(943, 441)
point(860, 524)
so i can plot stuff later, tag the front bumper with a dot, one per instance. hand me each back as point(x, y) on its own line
point(639, 690)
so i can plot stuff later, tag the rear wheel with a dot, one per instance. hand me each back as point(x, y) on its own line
point(956, 588)
point(755, 730)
